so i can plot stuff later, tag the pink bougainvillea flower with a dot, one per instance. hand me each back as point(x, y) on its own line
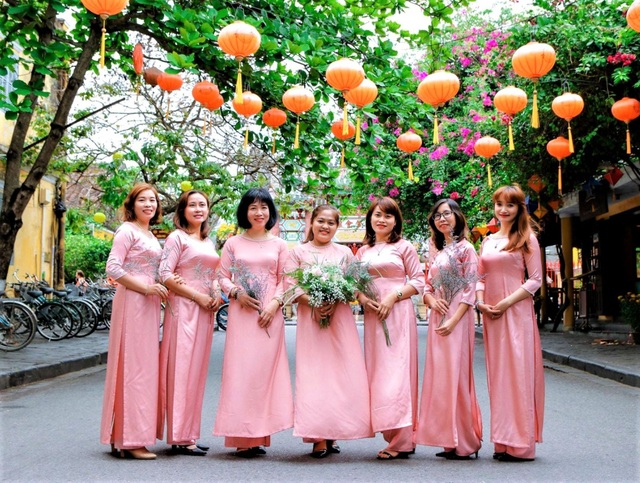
point(389, 181)
point(393, 192)
point(372, 197)
point(474, 192)
point(454, 195)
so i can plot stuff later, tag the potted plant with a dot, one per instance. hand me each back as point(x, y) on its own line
point(630, 311)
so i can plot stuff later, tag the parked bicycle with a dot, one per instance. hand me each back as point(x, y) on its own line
point(17, 324)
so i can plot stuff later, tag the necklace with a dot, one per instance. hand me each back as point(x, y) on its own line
point(382, 247)
point(259, 240)
point(146, 231)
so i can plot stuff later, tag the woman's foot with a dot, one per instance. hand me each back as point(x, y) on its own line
point(332, 446)
point(187, 449)
point(320, 450)
point(387, 454)
point(137, 454)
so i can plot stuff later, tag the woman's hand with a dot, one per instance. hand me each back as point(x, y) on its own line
point(494, 311)
point(157, 289)
point(440, 305)
point(178, 279)
point(249, 302)
point(446, 327)
point(268, 313)
point(327, 309)
point(385, 306)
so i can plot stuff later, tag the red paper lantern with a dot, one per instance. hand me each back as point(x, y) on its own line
point(409, 142)
point(487, 147)
point(138, 59)
point(298, 100)
point(510, 100)
point(613, 175)
point(169, 83)
point(535, 183)
point(493, 226)
point(361, 96)
point(251, 104)
point(239, 40)
point(214, 103)
point(436, 89)
point(336, 129)
point(533, 61)
point(567, 106)
point(274, 118)
point(626, 110)
point(104, 9)
point(205, 92)
point(559, 149)
point(633, 16)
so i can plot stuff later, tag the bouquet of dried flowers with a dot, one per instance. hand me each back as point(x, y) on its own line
point(254, 284)
point(455, 275)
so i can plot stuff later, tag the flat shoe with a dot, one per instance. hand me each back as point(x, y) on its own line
point(333, 447)
point(385, 455)
point(323, 453)
point(258, 450)
point(507, 458)
point(497, 455)
point(185, 450)
point(244, 453)
point(202, 447)
point(137, 454)
point(443, 454)
point(452, 455)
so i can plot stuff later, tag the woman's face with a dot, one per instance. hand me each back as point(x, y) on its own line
point(505, 212)
point(382, 223)
point(145, 206)
point(444, 220)
point(324, 227)
point(258, 214)
point(196, 211)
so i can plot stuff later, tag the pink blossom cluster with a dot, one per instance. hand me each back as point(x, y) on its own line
point(439, 153)
point(620, 58)
point(437, 187)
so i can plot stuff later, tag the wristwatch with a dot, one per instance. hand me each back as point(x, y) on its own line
point(399, 294)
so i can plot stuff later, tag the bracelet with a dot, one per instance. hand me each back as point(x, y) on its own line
point(279, 300)
point(193, 297)
point(478, 303)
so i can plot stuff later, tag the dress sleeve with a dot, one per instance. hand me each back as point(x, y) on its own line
point(433, 252)
point(412, 267)
point(170, 256)
point(294, 261)
point(283, 256)
point(534, 266)
point(470, 269)
point(224, 268)
point(122, 242)
point(481, 270)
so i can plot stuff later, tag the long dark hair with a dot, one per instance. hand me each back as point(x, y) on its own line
point(251, 196)
point(460, 232)
point(523, 226)
point(128, 207)
point(390, 207)
point(180, 220)
point(314, 215)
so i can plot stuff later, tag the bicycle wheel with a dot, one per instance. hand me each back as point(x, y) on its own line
point(77, 317)
point(89, 317)
point(107, 308)
point(17, 325)
point(55, 321)
point(221, 317)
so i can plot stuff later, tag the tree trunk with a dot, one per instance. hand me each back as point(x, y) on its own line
point(16, 195)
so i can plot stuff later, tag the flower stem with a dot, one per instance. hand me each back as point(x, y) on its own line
point(386, 333)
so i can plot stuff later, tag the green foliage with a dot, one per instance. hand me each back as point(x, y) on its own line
point(86, 253)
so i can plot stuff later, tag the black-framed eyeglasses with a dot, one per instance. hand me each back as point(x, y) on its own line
point(444, 214)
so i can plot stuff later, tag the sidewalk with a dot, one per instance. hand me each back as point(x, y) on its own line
point(605, 354)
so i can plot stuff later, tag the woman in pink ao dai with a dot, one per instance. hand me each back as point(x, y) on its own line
point(130, 406)
point(392, 369)
point(188, 323)
point(449, 411)
point(332, 391)
point(515, 374)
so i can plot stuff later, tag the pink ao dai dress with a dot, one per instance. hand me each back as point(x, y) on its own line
point(130, 406)
point(255, 397)
point(449, 411)
point(332, 391)
point(393, 370)
point(186, 337)
point(515, 373)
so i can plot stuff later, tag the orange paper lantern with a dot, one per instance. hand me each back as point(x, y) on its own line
point(626, 110)
point(336, 129)
point(436, 89)
point(240, 40)
point(510, 100)
point(207, 94)
point(298, 100)
point(567, 106)
point(361, 96)
point(151, 75)
point(344, 75)
point(409, 142)
point(169, 83)
point(487, 147)
point(633, 16)
point(559, 149)
point(104, 9)
point(251, 104)
point(138, 59)
point(274, 118)
point(533, 61)
point(493, 226)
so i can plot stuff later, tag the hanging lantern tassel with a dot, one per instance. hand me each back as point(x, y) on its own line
point(204, 125)
point(436, 138)
point(559, 176)
point(511, 145)
point(296, 143)
point(246, 137)
point(357, 130)
point(410, 170)
point(273, 146)
point(342, 165)
point(570, 138)
point(628, 140)
point(168, 105)
point(239, 98)
point(103, 39)
point(345, 122)
point(535, 120)
point(489, 175)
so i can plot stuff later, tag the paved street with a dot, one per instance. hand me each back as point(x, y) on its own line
point(50, 433)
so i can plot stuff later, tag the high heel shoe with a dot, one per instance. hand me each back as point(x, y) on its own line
point(333, 447)
point(507, 458)
point(258, 450)
point(319, 453)
point(497, 455)
point(452, 455)
point(137, 454)
point(443, 454)
point(187, 450)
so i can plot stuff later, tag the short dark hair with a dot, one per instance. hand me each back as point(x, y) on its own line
point(128, 207)
point(314, 215)
point(461, 230)
point(180, 221)
point(251, 196)
point(389, 206)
